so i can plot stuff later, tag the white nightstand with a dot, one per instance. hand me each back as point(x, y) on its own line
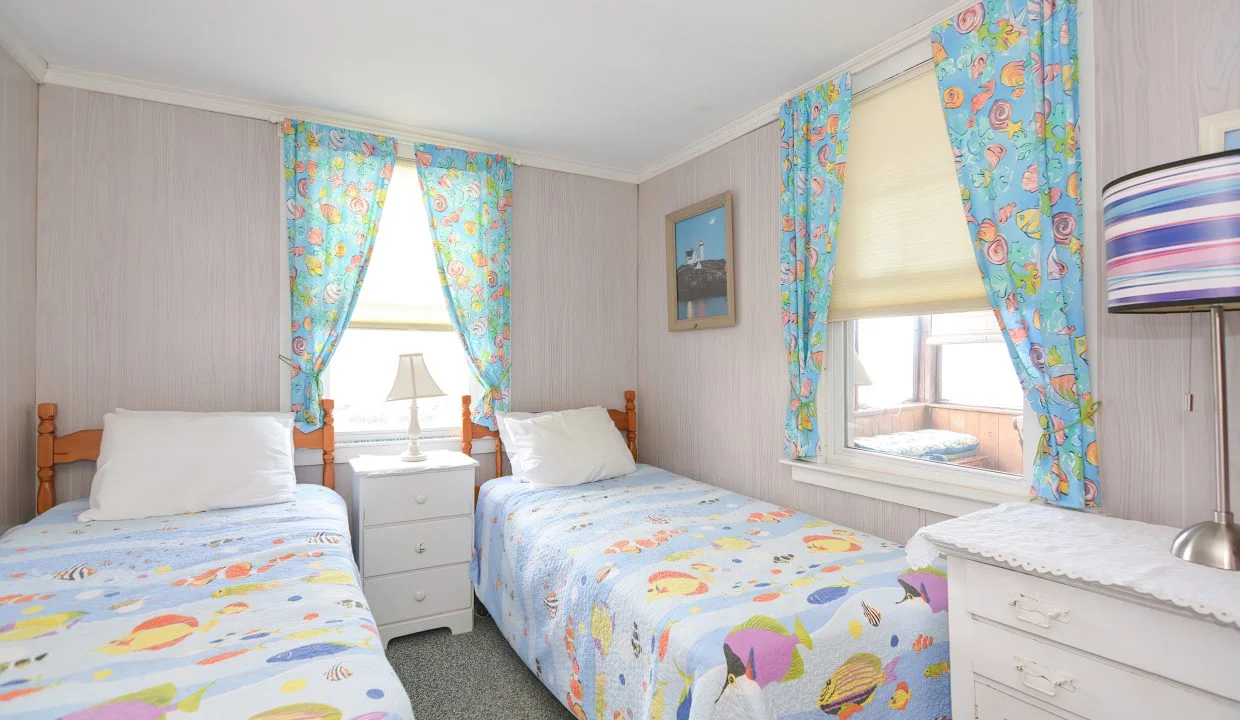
point(415, 536)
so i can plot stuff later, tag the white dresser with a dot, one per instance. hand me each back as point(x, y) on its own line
point(1056, 614)
point(414, 540)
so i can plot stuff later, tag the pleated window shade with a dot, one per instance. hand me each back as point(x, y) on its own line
point(401, 290)
point(904, 246)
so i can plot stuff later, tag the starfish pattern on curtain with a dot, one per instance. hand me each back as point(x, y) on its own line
point(812, 146)
point(1008, 76)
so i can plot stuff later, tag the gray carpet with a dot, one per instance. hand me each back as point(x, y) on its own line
point(471, 676)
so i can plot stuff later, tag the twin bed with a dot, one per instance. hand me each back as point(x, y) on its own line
point(655, 596)
point(252, 612)
point(648, 595)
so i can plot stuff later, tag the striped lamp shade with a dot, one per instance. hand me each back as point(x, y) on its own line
point(1173, 236)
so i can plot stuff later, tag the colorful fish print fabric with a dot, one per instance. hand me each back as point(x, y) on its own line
point(469, 202)
point(1008, 75)
point(335, 184)
point(244, 613)
point(655, 596)
point(812, 145)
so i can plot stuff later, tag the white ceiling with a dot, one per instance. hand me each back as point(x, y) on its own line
point(618, 84)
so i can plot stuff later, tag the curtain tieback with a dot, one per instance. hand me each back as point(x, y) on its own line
point(1044, 440)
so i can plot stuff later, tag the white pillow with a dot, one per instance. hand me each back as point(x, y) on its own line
point(167, 463)
point(570, 447)
point(505, 438)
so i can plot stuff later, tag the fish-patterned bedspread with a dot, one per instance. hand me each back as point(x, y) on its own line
point(656, 596)
point(244, 613)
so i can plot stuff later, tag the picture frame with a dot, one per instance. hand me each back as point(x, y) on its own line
point(1219, 132)
point(701, 287)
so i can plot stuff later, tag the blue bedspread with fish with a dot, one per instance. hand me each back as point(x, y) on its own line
point(656, 596)
point(244, 613)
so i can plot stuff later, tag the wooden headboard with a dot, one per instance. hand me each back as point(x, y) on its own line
point(52, 450)
point(625, 420)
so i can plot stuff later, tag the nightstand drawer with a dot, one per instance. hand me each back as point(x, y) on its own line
point(1106, 626)
point(413, 546)
point(1090, 687)
point(408, 596)
point(991, 704)
point(401, 498)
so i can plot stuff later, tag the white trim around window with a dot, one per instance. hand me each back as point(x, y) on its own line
point(947, 489)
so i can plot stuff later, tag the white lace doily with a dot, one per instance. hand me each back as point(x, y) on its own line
point(1094, 548)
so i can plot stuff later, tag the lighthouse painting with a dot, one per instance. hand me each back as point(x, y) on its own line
point(699, 282)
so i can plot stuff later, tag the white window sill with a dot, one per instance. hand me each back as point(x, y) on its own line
point(347, 449)
point(947, 498)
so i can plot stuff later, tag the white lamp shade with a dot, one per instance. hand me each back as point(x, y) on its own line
point(413, 379)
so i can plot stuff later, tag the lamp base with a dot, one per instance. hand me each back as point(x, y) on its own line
point(1215, 543)
point(412, 457)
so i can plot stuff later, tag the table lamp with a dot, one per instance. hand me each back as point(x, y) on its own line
point(413, 381)
point(1173, 245)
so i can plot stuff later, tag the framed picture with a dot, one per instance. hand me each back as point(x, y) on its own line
point(700, 288)
point(1219, 132)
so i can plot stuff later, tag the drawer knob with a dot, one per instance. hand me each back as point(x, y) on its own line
point(1040, 678)
point(421, 548)
point(420, 499)
point(1037, 612)
point(419, 596)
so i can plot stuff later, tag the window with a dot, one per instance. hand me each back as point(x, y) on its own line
point(949, 373)
point(401, 309)
point(918, 390)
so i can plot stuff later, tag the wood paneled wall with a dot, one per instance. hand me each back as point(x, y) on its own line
point(161, 273)
point(19, 134)
point(1160, 67)
point(160, 261)
point(574, 286)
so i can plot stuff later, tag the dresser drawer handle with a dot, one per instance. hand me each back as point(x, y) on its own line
point(421, 548)
point(419, 596)
point(1036, 612)
point(1041, 678)
point(420, 499)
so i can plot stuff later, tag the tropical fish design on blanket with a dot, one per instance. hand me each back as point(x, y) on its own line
point(854, 683)
point(739, 614)
point(250, 612)
point(150, 704)
point(764, 651)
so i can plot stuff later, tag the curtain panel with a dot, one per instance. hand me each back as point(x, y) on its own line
point(335, 184)
point(813, 144)
point(468, 199)
point(1007, 72)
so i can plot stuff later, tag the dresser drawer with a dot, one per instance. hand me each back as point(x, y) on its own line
point(416, 545)
point(1090, 687)
point(412, 595)
point(1109, 627)
point(401, 498)
point(991, 704)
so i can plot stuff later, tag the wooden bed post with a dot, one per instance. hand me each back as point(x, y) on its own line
point(467, 427)
point(329, 444)
point(45, 452)
point(631, 411)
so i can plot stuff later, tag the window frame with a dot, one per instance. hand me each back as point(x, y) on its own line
point(939, 487)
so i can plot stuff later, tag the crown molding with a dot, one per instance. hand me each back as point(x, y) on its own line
point(274, 112)
point(15, 45)
point(868, 68)
point(889, 58)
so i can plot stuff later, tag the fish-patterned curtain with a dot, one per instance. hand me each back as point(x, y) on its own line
point(812, 146)
point(1008, 74)
point(468, 201)
point(335, 184)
